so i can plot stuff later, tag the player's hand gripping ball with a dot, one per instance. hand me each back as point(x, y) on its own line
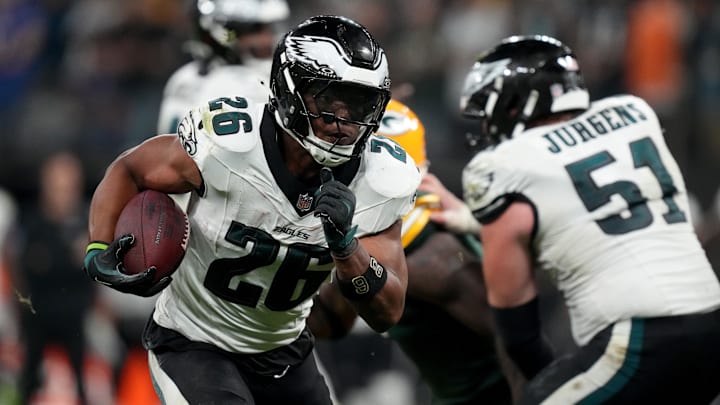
point(151, 236)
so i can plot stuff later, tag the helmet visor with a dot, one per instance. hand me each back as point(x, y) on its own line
point(345, 102)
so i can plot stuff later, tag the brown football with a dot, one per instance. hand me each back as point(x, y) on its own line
point(161, 231)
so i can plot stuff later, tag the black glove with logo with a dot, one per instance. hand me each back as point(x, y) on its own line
point(335, 205)
point(103, 264)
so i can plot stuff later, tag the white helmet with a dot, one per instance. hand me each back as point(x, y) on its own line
point(220, 22)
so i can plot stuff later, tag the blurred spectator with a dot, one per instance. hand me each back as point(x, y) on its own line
point(118, 59)
point(702, 124)
point(8, 218)
point(54, 293)
point(654, 65)
point(468, 27)
point(23, 25)
point(598, 34)
point(9, 339)
point(654, 56)
point(103, 65)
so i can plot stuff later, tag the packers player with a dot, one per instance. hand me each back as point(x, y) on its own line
point(446, 327)
point(284, 193)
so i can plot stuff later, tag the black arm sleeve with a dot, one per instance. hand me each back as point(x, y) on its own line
point(519, 329)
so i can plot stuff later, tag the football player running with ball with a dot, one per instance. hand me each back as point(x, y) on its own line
point(590, 193)
point(283, 193)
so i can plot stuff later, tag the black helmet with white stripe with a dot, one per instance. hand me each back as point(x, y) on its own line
point(522, 79)
point(331, 59)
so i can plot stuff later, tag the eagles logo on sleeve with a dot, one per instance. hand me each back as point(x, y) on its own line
point(186, 133)
point(477, 179)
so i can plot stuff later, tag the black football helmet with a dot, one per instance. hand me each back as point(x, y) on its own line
point(219, 23)
point(522, 79)
point(330, 58)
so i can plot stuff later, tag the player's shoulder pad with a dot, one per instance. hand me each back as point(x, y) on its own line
point(228, 123)
point(488, 182)
point(390, 171)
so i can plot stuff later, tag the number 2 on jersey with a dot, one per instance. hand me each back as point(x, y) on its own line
point(394, 149)
point(644, 154)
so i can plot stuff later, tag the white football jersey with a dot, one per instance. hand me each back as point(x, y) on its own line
point(187, 88)
point(256, 254)
point(612, 215)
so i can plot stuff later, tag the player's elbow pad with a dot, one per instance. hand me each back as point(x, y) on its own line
point(519, 328)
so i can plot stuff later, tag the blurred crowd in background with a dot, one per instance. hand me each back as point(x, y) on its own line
point(86, 77)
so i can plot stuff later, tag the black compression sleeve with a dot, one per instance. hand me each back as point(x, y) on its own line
point(519, 328)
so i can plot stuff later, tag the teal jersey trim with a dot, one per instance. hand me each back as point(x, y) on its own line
point(626, 371)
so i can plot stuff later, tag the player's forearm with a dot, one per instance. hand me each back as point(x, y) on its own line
point(374, 290)
point(520, 332)
point(384, 310)
point(111, 195)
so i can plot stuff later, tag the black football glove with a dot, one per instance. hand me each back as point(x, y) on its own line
point(335, 205)
point(104, 265)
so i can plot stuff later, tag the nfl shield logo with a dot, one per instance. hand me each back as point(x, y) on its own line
point(304, 202)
